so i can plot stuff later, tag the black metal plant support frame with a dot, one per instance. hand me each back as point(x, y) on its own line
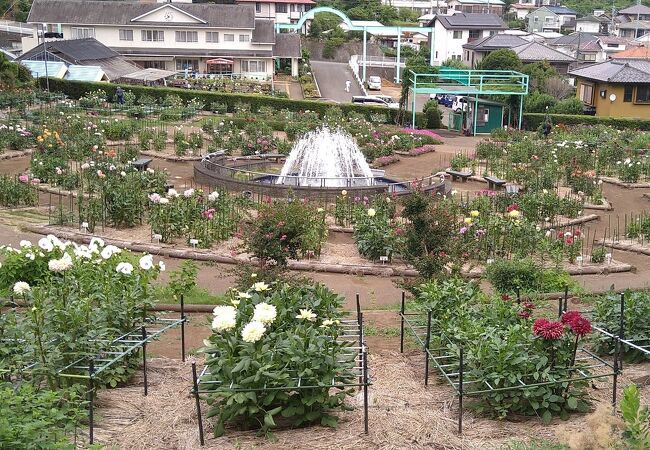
point(453, 368)
point(353, 329)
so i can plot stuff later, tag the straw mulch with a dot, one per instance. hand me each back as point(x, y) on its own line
point(403, 414)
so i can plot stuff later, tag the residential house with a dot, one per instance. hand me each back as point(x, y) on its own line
point(475, 51)
point(421, 7)
point(635, 52)
point(593, 24)
point(584, 47)
point(527, 51)
point(190, 37)
point(532, 52)
point(82, 52)
point(521, 8)
point(616, 88)
point(634, 12)
point(281, 11)
point(452, 32)
point(552, 18)
point(634, 29)
point(613, 44)
point(476, 6)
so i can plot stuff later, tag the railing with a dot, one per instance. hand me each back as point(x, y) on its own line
point(246, 175)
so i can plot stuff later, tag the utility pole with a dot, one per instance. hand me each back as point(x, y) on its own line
point(636, 29)
point(47, 77)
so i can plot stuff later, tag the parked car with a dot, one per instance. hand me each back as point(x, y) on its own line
point(374, 83)
point(386, 98)
point(459, 105)
point(373, 100)
point(443, 99)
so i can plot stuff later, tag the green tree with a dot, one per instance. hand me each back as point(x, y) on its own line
point(454, 64)
point(502, 59)
point(12, 75)
point(323, 22)
point(539, 72)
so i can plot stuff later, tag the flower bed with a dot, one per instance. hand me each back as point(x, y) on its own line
point(268, 342)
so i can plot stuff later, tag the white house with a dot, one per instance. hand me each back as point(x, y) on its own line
point(476, 6)
point(204, 37)
point(452, 32)
point(420, 6)
point(522, 8)
point(281, 11)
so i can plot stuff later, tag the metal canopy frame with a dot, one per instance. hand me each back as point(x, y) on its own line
point(396, 30)
point(453, 370)
point(357, 351)
point(470, 82)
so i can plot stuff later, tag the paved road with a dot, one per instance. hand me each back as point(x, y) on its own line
point(331, 77)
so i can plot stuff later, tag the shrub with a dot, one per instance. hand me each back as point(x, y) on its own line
point(512, 276)
point(14, 192)
point(374, 234)
point(637, 419)
point(260, 347)
point(285, 229)
point(433, 116)
point(573, 106)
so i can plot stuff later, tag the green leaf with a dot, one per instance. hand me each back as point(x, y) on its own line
point(572, 403)
point(268, 420)
point(547, 417)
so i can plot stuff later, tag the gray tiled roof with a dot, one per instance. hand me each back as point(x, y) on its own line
point(640, 24)
point(264, 32)
point(495, 41)
point(534, 51)
point(616, 72)
point(561, 10)
point(575, 38)
point(464, 21)
point(122, 12)
point(635, 9)
point(287, 45)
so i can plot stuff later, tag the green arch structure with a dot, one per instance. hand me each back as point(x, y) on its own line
point(365, 28)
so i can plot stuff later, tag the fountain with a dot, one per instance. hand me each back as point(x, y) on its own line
point(326, 158)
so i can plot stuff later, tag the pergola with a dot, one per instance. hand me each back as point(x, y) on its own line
point(398, 30)
point(450, 81)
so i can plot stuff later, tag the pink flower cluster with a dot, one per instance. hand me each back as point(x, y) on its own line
point(551, 331)
point(385, 160)
point(25, 179)
point(422, 133)
point(428, 148)
point(209, 213)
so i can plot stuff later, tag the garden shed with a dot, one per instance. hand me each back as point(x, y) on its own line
point(489, 115)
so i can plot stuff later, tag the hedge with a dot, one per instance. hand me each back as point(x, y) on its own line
point(532, 121)
point(77, 89)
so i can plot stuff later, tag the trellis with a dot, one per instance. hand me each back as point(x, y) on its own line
point(202, 383)
point(113, 352)
point(453, 369)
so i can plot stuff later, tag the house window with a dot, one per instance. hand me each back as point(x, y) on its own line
point(229, 38)
point(244, 38)
point(587, 93)
point(211, 36)
point(627, 94)
point(81, 33)
point(253, 66)
point(588, 57)
point(187, 36)
point(474, 34)
point(154, 65)
point(189, 64)
point(458, 34)
point(643, 94)
point(535, 19)
point(258, 7)
point(126, 35)
point(281, 8)
point(153, 35)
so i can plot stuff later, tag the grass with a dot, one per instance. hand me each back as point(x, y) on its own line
point(534, 445)
point(196, 296)
point(371, 330)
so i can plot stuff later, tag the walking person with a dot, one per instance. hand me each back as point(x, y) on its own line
point(120, 95)
point(347, 86)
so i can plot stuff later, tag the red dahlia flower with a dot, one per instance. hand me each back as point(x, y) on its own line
point(570, 316)
point(550, 330)
point(539, 325)
point(580, 326)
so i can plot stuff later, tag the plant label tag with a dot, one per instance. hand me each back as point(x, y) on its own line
point(579, 261)
point(383, 259)
point(608, 258)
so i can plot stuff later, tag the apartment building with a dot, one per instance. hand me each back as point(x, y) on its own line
point(281, 11)
point(189, 37)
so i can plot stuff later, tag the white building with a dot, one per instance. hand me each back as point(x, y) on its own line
point(281, 11)
point(205, 38)
point(421, 7)
point(476, 6)
point(452, 32)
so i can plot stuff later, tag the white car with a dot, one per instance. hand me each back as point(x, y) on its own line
point(372, 100)
point(374, 83)
point(459, 105)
